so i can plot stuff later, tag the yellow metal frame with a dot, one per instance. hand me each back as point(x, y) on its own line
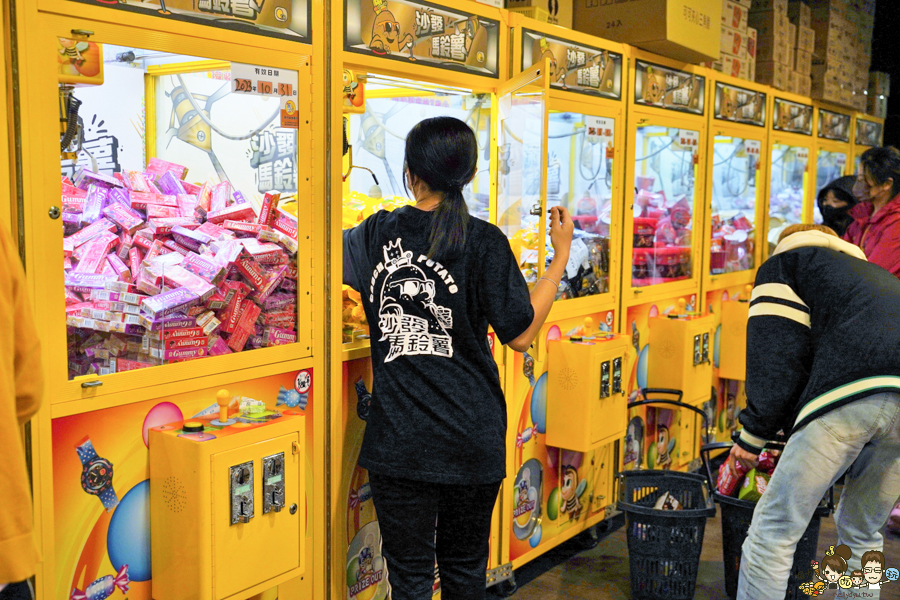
point(7, 148)
point(638, 115)
point(720, 127)
point(40, 155)
point(414, 71)
point(796, 140)
point(828, 146)
point(568, 101)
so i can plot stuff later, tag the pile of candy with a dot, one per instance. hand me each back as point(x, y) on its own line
point(735, 479)
point(160, 270)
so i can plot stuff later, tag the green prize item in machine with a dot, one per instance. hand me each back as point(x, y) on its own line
point(753, 486)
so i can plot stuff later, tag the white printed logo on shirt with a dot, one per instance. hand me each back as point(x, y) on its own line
point(408, 317)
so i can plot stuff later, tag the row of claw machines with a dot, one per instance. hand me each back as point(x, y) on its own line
point(205, 404)
point(679, 181)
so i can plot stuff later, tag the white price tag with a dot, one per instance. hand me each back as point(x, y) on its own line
point(599, 127)
point(578, 255)
point(263, 81)
point(753, 147)
point(688, 138)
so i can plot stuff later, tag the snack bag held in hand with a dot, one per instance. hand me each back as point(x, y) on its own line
point(754, 485)
point(768, 459)
point(730, 474)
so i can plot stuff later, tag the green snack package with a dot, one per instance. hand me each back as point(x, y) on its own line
point(753, 486)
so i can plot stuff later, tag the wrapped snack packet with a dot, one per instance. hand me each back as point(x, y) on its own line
point(753, 486)
point(730, 475)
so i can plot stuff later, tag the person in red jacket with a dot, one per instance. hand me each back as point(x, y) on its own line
point(876, 225)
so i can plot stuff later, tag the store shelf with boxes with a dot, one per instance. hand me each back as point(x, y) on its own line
point(843, 51)
point(786, 44)
point(395, 65)
point(562, 456)
point(164, 172)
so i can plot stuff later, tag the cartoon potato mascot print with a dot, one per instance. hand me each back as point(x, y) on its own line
point(386, 36)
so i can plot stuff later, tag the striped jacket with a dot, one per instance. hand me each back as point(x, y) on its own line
point(824, 330)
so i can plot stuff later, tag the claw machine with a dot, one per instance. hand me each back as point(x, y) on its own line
point(833, 129)
point(736, 178)
point(561, 145)
point(399, 63)
point(174, 256)
point(668, 104)
point(790, 145)
point(868, 132)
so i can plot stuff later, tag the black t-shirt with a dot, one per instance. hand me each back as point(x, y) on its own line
point(438, 413)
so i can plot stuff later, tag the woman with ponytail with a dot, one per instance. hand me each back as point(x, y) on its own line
point(432, 280)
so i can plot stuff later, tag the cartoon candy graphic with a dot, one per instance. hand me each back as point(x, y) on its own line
point(103, 588)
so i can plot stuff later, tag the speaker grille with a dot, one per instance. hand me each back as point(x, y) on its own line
point(568, 378)
point(174, 494)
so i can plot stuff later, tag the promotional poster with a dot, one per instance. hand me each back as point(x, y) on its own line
point(868, 133)
point(739, 105)
point(424, 33)
point(792, 117)
point(834, 126)
point(663, 87)
point(109, 533)
point(575, 68)
point(286, 19)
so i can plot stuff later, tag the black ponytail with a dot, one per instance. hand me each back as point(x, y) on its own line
point(443, 152)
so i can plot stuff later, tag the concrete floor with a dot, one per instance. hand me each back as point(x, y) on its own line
point(572, 573)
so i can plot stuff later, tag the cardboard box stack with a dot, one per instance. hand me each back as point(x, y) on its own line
point(879, 91)
point(842, 50)
point(774, 49)
point(556, 12)
point(737, 49)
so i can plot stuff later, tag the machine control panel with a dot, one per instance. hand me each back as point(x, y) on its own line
point(242, 493)
point(604, 379)
point(273, 483)
point(617, 375)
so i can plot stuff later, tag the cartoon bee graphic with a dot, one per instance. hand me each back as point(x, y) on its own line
point(570, 504)
point(386, 34)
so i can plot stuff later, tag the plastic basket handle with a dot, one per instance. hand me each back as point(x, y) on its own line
point(677, 403)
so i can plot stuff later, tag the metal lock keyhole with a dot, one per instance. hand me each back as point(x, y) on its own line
point(536, 210)
point(54, 212)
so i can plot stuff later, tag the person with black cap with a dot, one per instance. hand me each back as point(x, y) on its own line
point(835, 201)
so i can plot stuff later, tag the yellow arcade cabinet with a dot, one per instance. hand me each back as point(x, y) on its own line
point(167, 153)
point(833, 148)
point(394, 64)
point(790, 146)
point(572, 119)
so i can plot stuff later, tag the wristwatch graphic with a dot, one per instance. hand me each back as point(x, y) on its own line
point(97, 474)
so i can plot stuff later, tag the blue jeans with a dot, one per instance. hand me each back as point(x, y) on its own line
point(814, 458)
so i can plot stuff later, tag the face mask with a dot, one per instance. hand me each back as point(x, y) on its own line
point(831, 214)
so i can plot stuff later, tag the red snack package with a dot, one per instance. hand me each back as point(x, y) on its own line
point(767, 461)
point(730, 475)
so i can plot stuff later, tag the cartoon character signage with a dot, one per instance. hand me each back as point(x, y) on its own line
point(80, 62)
point(671, 89)
point(739, 105)
point(575, 68)
point(833, 573)
point(792, 117)
point(286, 19)
point(101, 503)
point(834, 126)
point(868, 133)
point(423, 32)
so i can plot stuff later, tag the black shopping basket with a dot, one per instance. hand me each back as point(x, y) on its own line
point(664, 545)
point(736, 517)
